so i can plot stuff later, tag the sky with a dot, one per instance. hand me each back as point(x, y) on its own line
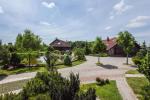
point(74, 19)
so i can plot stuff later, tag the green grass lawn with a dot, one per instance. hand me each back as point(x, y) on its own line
point(137, 84)
point(133, 72)
point(7, 87)
point(105, 92)
point(35, 69)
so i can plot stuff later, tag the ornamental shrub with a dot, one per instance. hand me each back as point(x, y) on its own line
point(67, 60)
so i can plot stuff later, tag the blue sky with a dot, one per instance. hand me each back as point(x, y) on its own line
point(74, 19)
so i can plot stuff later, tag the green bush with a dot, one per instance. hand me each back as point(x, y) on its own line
point(101, 81)
point(52, 86)
point(136, 60)
point(67, 60)
point(79, 54)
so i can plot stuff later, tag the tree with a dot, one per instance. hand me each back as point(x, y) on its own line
point(87, 50)
point(4, 55)
point(79, 54)
point(67, 60)
point(144, 67)
point(98, 46)
point(143, 51)
point(127, 42)
point(15, 59)
point(50, 58)
point(28, 40)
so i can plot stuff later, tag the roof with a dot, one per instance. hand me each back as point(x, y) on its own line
point(59, 43)
point(110, 43)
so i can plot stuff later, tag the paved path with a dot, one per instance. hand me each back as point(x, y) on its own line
point(113, 69)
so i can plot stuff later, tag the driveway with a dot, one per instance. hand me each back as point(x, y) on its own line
point(113, 69)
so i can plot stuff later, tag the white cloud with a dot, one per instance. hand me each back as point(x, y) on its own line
point(90, 9)
point(108, 28)
point(45, 23)
point(121, 7)
point(139, 21)
point(1, 10)
point(111, 17)
point(49, 5)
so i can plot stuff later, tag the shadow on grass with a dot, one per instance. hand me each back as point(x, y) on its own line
point(3, 76)
point(107, 66)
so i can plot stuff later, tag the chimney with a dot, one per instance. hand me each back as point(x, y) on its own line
point(107, 38)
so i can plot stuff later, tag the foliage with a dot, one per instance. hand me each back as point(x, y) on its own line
point(79, 54)
point(136, 60)
point(146, 92)
point(67, 60)
point(143, 51)
point(4, 55)
point(127, 41)
point(77, 44)
point(101, 81)
point(50, 59)
point(145, 66)
point(140, 55)
point(87, 49)
point(89, 95)
point(15, 59)
point(98, 46)
point(28, 40)
point(52, 86)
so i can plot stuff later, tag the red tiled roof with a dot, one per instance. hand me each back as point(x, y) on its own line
point(59, 43)
point(110, 42)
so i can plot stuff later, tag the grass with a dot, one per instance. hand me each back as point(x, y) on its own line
point(137, 84)
point(34, 69)
point(7, 87)
point(133, 72)
point(105, 92)
point(21, 70)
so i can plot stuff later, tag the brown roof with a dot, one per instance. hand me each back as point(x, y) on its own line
point(59, 43)
point(110, 43)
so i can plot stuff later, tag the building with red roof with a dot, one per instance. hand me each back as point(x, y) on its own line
point(113, 49)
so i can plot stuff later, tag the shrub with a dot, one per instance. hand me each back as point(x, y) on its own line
point(101, 81)
point(136, 60)
point(52, 86)
point(67, 60)
point(79, 54)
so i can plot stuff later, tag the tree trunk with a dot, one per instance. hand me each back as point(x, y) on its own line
point(99, 58)
point(127, 59)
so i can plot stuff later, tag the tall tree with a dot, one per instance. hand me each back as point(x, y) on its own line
point(28, 40)
point(127, 41)
point(98, 47)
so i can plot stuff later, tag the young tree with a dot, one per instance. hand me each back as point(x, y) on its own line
point(79, 54)
point(50, 59)
point(87, 50)
point(28, 40)
point(67, 60)
point(127, 41)
point(98, 47)
point(15, 59)
point(145, 66)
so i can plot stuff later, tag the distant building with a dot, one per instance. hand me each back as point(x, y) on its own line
point(113, 49)
point(60, 45)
